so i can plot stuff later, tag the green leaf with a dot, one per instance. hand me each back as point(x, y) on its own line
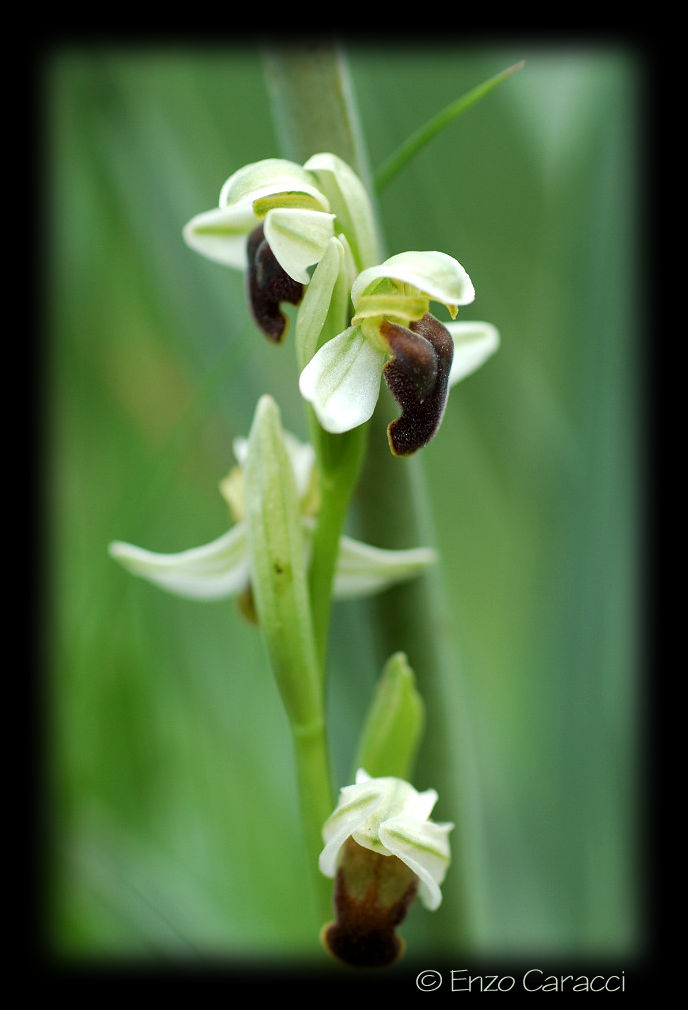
point(410, 148)
point(394, 724)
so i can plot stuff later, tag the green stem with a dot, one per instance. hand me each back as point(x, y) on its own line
point(315, 792)
point(313, 105)
point(339, 459)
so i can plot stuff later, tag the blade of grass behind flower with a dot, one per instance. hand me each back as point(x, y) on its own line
point(410, 148)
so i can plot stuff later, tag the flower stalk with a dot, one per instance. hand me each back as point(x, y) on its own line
point(339, 462)
point(314, 110)
point(313, 104)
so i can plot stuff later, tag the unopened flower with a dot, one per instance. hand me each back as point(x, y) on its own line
point(275, 219)
point(222, 568)
point(392, 333)
point(383, 850)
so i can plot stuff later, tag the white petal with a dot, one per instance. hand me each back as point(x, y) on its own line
point(269, 178)
point(342, 380)
point(211, 572)
point(362, 570)
point(435, 274)
point(474, 343)
point(424, 848)
point(298, 238)
point(221, 234)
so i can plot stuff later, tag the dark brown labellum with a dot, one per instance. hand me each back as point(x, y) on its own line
point(268, 286)
point(418, 378)
point(371, 898)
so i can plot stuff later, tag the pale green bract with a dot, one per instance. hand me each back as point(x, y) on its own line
point(394, 723)
point(222, 568)
point(389, 817)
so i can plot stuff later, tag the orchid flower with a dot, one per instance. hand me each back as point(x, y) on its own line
point(222, 568)
point(383, 849)
point(392, 333)
point(275, 220)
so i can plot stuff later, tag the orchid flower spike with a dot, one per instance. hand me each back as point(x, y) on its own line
point(392, 333)
point(275, 219)
point(222, 568)
point(383, 850)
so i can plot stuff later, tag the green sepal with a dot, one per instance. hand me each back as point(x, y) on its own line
point(394, 724)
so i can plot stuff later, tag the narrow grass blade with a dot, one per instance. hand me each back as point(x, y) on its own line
point(410, 148)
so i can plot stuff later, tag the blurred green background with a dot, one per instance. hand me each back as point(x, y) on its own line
point(172, 793)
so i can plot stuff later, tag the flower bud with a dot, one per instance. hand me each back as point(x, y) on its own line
point(382, 848)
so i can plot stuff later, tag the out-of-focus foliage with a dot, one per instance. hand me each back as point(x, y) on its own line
point(169, 751)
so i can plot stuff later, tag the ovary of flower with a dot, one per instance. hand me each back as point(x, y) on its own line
point(392, 333)
point(389, 817)
point(222, 568)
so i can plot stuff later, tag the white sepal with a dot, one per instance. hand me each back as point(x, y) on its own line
point(424, 847)
point(363, 570)
point(211, 572)
point(355, 804)
point(220, 234)
point(269, 177)
point(474, 343)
